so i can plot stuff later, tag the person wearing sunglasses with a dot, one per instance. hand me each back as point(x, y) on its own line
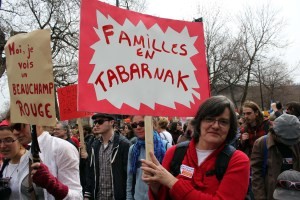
point(275, 153)
point(58, 171)
point(107, 158)
point(136, 188)
point(288, 186)
point(15, 167)
point(215, 125)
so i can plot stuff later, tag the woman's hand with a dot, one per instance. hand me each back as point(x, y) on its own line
point(155, 174)
point(35, 167)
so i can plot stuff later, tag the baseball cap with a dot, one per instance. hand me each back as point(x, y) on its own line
point(4, 123)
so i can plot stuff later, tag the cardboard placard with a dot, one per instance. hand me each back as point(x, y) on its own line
point(130, 63)
point(30, 78)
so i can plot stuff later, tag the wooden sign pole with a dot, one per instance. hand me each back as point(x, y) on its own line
point(81, 135)
point(149, 136)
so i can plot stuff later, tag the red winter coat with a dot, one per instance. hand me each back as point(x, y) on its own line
point(233, 186)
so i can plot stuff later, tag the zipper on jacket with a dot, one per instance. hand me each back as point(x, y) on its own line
point(93, 158)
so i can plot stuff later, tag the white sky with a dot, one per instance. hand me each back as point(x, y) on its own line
point(187, 10)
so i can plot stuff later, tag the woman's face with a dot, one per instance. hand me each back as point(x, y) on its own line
point(179, 127)
point(126, 130)
point(139, 130)
point(214, 130)
point(9, 145)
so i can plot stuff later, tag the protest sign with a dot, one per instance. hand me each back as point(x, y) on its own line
point(30, 78)
point(130, 63)
point(67, 98)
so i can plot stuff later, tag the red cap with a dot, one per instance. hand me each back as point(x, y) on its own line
point(4, 123)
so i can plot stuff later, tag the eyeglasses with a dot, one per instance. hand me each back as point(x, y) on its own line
point(222, 122)
point(100, 121)
point(7, 141)
point(140, 124)
point(288, 184)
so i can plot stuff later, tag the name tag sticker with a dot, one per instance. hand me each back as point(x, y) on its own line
point(186, 171)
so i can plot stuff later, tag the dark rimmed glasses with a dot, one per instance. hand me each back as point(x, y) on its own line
point(289, 184)
point(136, 124)
point(8, 140)
point(222, 122)
point(100, 121)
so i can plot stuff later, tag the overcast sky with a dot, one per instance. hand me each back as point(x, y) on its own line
point(187, 10)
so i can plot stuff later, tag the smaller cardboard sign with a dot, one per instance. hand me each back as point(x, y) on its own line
point(30, 78)
point(67, 98)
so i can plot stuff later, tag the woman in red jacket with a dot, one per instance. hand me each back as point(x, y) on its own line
point(215, 125)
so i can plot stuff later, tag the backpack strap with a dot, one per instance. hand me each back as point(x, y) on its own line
point(222, 161)
point(166, 145)
point(265, 161)
point(177, 159)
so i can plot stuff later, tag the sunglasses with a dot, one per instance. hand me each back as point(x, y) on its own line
point(100, 121)
point(136, 124)
point(288, 184)
point(17, 126)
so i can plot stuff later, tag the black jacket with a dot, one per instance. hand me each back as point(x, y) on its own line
point(118, 158)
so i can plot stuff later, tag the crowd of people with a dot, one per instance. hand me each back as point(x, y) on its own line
point(220, 153)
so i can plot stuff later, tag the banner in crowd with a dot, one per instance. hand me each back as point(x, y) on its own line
point(67, 99)
point(130, 63)
point(30, 78)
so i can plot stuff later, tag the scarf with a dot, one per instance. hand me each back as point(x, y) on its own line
point(159, 151)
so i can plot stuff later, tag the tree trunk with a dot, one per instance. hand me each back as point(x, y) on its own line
point(2, 60)
point(246, 85)
point(232, 96)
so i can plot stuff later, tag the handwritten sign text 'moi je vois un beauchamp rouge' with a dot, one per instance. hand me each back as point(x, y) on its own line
point(30, 77)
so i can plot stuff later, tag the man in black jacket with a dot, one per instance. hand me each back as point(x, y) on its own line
point(107, 154)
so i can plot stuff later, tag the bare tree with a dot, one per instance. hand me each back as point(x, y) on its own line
point(2, 59)
point(224, 59)
point(275, 75)
point(259, 32)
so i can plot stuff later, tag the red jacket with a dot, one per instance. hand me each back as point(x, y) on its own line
point(76, 141)
point(254, 134)
point(234, 184)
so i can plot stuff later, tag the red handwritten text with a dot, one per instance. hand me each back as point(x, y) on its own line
point(34, 110)
point(119, 74)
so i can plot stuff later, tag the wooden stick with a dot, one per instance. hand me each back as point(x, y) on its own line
point(149, 136)
point(81, 136)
